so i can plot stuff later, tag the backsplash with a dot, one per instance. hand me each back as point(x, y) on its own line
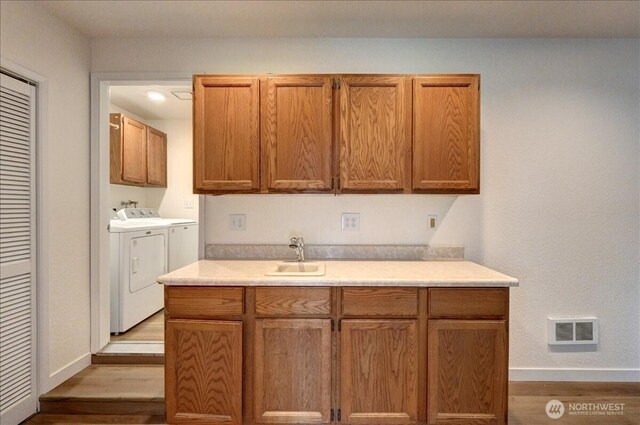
point(335, 252)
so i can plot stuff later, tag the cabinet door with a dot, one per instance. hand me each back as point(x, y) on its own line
point(226, 133)
point(203, 368)
point(374, 133)
point(134, 151)
point(379, 372)
point(156, 157)
point(292, 371)
point(446, 133)
point(297, 133)
point(467, 372)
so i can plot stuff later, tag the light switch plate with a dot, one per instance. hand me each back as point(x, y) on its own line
point(188, 204)
point(432, 222)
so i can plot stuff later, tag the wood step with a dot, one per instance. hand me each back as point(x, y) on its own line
point(127, 359)
point(53, 419)
point(131, 352)
point(109, 389)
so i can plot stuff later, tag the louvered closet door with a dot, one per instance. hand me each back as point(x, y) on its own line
point(17, 251)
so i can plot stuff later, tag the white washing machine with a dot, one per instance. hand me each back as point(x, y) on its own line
point(138, 256)
point(183, 242)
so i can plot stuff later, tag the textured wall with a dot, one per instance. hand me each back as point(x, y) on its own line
point(559, 207)
point(179, 170)
point(35, 40)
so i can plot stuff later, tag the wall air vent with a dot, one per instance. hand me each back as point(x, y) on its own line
point(572, 331)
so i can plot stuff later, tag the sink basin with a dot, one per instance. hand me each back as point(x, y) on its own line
point(297, 269)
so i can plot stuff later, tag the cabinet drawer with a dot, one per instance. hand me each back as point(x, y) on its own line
point(203, 303)
point(380, 302)
point(293, 301)
point(468, 303)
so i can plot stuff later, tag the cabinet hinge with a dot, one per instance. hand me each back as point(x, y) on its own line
point(332, 416)
point(339, 415)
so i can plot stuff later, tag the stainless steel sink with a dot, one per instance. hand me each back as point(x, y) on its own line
point(297, 269)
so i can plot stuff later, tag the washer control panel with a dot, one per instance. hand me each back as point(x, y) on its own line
point(133, 213)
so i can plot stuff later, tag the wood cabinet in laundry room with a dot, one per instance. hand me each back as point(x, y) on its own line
point(138, 153)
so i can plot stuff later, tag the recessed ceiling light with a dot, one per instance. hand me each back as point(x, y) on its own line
point(156, 96)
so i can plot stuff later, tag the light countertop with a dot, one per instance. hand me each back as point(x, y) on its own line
point(340, 273)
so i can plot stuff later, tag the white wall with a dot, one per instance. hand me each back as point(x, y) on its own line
point(560, 201)
point(179, 171)
point(169, 201)
point(33, 39)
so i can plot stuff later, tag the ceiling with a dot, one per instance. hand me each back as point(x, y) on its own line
point(135, 100)
point(437, 19)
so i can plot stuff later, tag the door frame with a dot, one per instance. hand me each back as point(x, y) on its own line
point(100, 83)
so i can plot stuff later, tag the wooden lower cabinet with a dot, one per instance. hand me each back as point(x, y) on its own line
point(379, 372)
point(285, 355)
point(467, 372)
point(203, 382)
point(292, 381)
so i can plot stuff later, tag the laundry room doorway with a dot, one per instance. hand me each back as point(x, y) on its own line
point(143, 206)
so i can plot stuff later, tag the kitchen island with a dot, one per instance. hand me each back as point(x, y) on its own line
point(367, 342)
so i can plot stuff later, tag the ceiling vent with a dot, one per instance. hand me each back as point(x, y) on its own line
point(572, 331)
point(182, 94)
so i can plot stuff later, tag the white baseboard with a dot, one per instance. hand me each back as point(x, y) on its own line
point(583, 375)
point(65, 372)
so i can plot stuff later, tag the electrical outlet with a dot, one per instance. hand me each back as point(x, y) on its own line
point(432, 222)
point(237, 222)
point(351, 222)
point(188, 204)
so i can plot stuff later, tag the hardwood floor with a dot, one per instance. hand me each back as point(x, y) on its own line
point(527, 401)
point(151, 329)
point(100, 394)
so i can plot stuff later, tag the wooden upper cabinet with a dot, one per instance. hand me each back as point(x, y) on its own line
point(374, 133)
point(203, 381)
point(134, 151)
point(379, 372)
point(446, 133)
point(138, 153)
point(292, 371)
point(226, 133)
point(156, 157)
point(467, 372)
point(297, 133)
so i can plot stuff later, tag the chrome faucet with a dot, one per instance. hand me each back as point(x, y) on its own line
point(298, 245)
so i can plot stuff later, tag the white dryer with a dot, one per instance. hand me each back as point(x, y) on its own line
point(138, 256)
point(183, 235)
